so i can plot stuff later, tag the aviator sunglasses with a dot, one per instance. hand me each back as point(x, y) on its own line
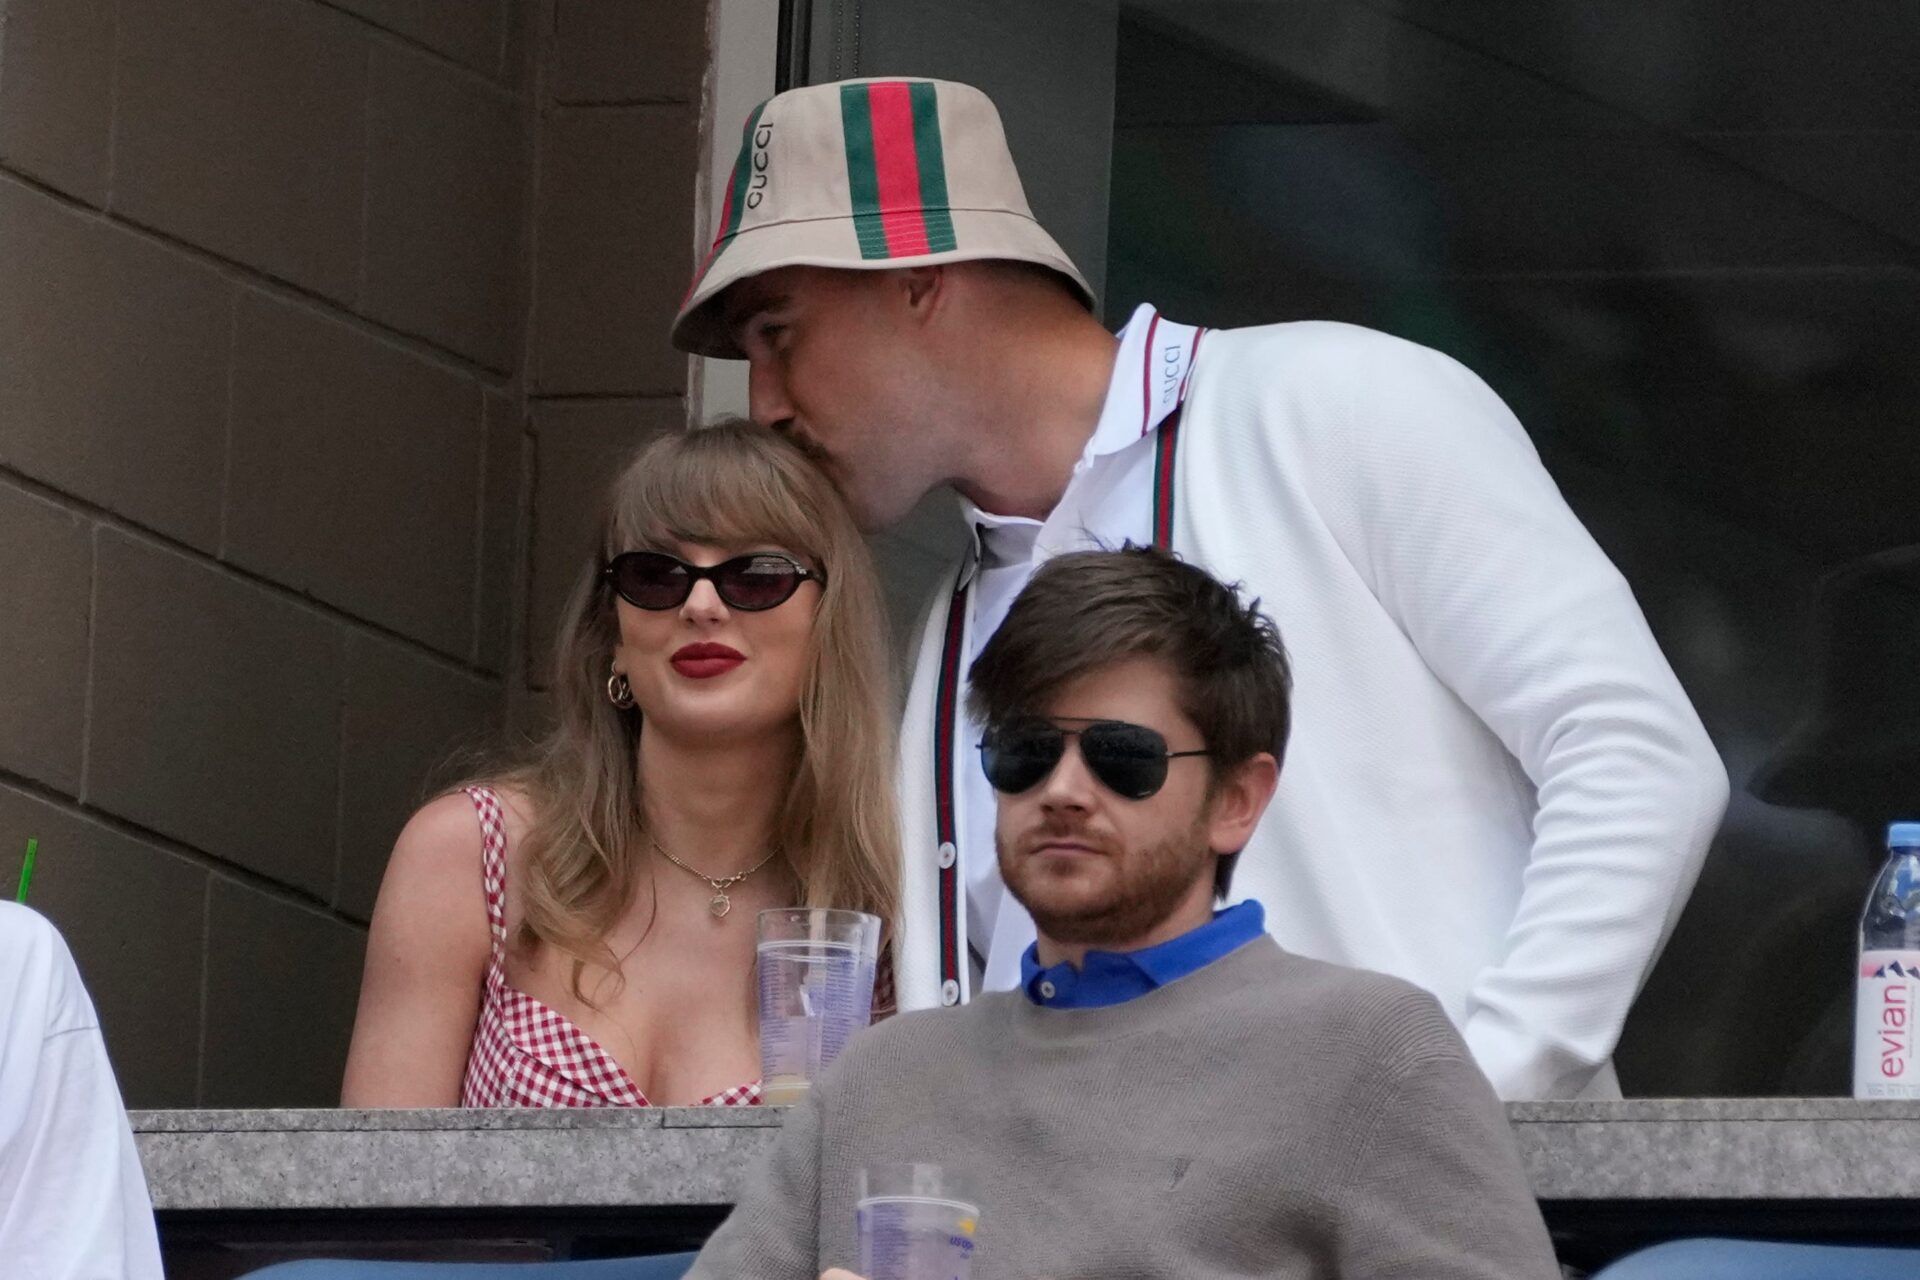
point(1127, 759)
point(657, 581)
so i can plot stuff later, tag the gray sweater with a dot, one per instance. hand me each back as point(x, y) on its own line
point(1266, 1116)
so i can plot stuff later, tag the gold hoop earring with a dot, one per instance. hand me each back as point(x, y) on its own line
point(619, 692)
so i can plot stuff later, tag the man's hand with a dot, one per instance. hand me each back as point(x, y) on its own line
point(835, 1273)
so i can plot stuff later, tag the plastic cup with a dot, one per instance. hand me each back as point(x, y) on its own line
point(816, 989)
point(915, 1222)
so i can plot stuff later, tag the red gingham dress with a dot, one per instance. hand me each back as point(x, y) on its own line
point(526, 1053)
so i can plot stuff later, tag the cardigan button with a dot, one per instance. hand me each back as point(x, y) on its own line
point(950, 992)
point(1047, 990)
point(948, 855)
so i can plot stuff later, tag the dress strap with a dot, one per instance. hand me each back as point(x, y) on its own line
point(493, 867)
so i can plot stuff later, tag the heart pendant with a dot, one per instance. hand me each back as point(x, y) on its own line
point(720, 905)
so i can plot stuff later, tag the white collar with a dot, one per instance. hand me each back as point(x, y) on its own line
point(1149, 373)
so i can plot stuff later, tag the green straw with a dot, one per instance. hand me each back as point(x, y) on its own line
point(26, 870)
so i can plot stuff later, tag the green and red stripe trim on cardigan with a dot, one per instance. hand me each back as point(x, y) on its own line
point(946, 711)
point(896, 169)
point(1165, 446)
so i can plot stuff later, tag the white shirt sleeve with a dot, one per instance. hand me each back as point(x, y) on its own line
point(73, 1198)
point(1439, 499)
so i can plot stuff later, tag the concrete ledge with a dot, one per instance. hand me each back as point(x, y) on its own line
point(1807, 1149)
point(1717, 1110)
point(293, 1160)
point(1775, 1150)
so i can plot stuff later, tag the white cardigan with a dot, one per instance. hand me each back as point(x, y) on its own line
point(1495, 786)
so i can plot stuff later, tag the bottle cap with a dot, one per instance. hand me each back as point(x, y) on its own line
point(1903, 835)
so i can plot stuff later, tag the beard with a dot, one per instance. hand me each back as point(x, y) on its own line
point(1134, 892)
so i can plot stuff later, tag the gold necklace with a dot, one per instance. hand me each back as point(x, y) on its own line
point(720, 903)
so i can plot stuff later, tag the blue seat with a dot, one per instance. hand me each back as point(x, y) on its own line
point(662, 1266)
point(1761, 1260)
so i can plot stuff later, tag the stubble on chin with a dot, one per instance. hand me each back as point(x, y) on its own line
point(1138, 893)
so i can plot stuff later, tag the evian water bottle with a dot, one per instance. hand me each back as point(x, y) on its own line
point(1885, 1013)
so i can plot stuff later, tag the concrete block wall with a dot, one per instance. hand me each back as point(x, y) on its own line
point(613, 230)
point(321, 323)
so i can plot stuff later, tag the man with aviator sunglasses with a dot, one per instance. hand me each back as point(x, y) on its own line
point(1167, 1092)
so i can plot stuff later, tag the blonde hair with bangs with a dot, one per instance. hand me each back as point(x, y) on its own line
point(734, 485)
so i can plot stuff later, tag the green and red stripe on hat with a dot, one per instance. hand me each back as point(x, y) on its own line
point(734, 203)
point(896, 169)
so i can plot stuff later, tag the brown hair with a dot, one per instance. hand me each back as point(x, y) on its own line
point(1087, 609)
point(732, 484)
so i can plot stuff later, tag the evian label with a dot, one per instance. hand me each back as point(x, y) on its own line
point(1884, 1063)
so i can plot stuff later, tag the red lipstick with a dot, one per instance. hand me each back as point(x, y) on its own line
point(704, 661)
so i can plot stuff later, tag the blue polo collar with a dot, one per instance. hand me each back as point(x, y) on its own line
point(1115, 977)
